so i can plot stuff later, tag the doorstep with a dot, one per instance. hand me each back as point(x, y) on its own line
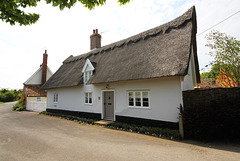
point(103, 122)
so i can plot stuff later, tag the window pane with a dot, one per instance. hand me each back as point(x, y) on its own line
point(145, 99)
point(130, 99)
point(85, 77)
point(90, 100)
point(138, 98)
point(88, 75)
point(86, 97)
point(90, 97)
point(145, 94)
point(145, 104)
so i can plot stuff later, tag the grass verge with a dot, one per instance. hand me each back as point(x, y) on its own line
point(153, 131)
point(1, 102)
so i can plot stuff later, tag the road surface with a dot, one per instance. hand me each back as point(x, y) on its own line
point(27, 136)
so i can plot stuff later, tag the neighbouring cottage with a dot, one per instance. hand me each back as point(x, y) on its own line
point(138, 80)
point(35, 98)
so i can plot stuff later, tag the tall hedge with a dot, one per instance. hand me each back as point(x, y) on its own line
point(216, 122)
point(212, 114)
point(8, 95)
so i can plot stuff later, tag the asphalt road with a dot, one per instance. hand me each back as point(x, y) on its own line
point(26, 136)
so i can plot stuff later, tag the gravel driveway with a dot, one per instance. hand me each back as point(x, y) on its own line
point(26, 136)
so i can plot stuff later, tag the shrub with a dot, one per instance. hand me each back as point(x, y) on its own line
point(155, 131)
point(19, 106)
point(2, 97)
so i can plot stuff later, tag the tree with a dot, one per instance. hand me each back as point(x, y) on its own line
point(8, 95)
point(226, 54)
point(208, 79)
point(214, 72)
point(11, 11)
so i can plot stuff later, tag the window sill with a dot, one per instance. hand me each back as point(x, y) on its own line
point(88, 104)
point(144, 108)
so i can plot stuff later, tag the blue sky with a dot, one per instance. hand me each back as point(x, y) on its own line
point(65, 33)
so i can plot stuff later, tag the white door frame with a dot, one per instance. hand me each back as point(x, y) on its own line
point(114, 99)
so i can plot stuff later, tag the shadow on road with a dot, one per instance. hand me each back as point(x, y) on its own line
point(226, 145)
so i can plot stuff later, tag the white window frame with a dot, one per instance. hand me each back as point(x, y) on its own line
point(87, 70)
point(88, 98)
point(134, 99)
point(55, 98)
point(87, 75)
point(39, 99)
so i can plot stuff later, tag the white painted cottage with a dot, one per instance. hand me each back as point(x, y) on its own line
point(139, 79)
point(35, 98)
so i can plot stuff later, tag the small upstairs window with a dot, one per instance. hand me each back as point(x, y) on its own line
point(87, 76)
point(87, 70)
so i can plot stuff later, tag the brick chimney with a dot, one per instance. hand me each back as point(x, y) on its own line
point(44, 68)
point(95, 40)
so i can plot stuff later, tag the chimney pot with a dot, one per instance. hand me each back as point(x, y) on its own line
point(95, 40)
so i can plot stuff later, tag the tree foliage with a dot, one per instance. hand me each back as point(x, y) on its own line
point(12, 11)
point(214, 72)
point(8, 95)
point(226, 54)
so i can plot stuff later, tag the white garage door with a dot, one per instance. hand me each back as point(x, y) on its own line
point(36, 106)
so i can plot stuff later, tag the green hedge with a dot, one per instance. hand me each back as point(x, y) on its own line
point(215, 122)
point(8, 95)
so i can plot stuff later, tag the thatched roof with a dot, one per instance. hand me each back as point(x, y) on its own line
point(163, 51)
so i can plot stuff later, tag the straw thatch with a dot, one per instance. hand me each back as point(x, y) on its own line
point(163, 51)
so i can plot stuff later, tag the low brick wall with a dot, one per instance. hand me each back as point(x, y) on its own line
point(211, 113)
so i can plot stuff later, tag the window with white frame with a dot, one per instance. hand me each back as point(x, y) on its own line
point(55, 98)
point(87, 76)
point(138, 99)
point(88, 98)
point(39, 99)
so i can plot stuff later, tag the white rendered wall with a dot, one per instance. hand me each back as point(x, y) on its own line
point(190, 80)
point(33, 105)
point(165, 98)
point(73, 99)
